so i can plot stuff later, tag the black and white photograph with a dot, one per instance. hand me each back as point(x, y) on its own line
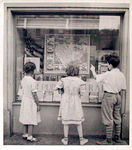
point(65, 73)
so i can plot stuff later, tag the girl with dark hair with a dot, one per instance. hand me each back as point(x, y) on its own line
point(29, 111)
point(71, 111)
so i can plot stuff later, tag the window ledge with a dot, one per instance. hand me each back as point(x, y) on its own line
point(18, 103)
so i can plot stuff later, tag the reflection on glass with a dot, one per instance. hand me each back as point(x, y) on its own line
point(55, 39)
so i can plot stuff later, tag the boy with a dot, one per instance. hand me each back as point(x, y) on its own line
point(113, 82)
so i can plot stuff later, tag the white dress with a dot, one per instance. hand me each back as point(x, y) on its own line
point(28, 110)
point(70, 111)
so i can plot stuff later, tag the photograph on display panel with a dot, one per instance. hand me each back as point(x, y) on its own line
point(61, 49)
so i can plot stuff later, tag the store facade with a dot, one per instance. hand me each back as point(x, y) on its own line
point(51, 35)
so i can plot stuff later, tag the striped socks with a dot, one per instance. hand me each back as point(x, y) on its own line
point(109, 130)
point(117, 129)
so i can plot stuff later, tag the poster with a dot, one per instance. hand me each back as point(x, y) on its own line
point(60, 49)
point(95, 91)
point(45, 90)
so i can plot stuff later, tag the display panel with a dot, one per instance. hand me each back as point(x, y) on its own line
point(61, 49)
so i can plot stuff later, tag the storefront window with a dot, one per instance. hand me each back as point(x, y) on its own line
point(51, 41)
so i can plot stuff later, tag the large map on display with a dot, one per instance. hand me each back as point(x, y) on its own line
point(60, 49)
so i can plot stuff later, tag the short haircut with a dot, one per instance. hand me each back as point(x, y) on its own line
point(72, 69)
point(114, 60)
point(29, 67)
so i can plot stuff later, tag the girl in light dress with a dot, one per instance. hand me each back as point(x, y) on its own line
point(70, 111)
point(30, 108)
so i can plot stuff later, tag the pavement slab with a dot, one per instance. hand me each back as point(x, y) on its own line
point(49, 139)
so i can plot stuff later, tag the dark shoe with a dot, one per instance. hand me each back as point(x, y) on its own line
point(117, 139)
point(105, 142)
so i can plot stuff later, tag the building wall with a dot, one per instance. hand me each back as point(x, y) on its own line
point(50, 125)
point(92, 124)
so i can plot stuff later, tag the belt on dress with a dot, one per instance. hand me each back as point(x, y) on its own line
point(110, 92)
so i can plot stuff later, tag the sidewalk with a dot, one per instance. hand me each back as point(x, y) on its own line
point(16, 139)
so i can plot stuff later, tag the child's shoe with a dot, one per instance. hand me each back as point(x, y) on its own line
point(31, 139)
point(105, 142)
point(83, 141)
point(24, 136)
point(64, 141)
point(117, 139)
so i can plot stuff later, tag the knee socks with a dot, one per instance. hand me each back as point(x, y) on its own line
point(109, 130)
point(117, 129)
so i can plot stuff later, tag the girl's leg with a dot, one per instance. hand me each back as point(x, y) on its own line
point(66, 128)
point(25, 129)
point(79, 129)
point(30, 134)
point(30, 130)
point(80, 133)
point(25, 132)
point(65, 139)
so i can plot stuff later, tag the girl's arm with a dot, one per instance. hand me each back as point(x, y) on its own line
point(35, 96)
point(82, 90)
point(59, 87)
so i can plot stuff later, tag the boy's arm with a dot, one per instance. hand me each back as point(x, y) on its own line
point(35, 96)
point(93, 71)
point(123, 97)
point(99, 77)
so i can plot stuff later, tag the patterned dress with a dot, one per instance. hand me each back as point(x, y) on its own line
point(70, 111)
point(28, 110)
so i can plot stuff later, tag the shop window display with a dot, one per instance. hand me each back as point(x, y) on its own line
point(51, 41)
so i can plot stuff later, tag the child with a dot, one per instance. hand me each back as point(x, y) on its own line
point(71, 111)
point(29, 111)
point(113, 82)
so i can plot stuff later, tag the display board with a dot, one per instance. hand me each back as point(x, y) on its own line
point(46, 92)
point(60, 49)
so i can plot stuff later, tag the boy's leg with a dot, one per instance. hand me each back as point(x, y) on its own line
point(109, 130)
point(117, 119)
point(107, 117)
point(108, 140)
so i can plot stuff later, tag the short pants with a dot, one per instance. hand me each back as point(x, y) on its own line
point(110, 109)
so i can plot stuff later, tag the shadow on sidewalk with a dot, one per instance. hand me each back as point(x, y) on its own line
point(49, 139)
